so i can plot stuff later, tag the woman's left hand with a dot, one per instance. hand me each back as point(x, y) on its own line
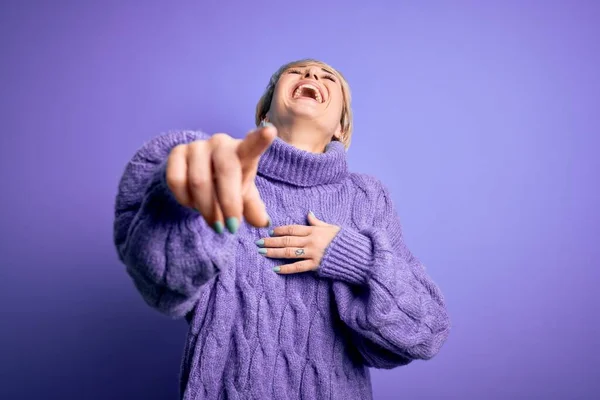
point(307, 243)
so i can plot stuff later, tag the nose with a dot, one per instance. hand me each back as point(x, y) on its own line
point(311, 73)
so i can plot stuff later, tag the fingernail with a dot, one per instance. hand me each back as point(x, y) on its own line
point(271, 232)
point(232, 224)
point(218, 227)
point(268, 221)
point(262, 251)
point(276, 269)
point(260, 242)
point(311, 213)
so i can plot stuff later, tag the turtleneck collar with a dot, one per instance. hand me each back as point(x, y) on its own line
point(286, 163)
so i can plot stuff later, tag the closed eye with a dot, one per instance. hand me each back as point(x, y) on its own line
point(328, 76)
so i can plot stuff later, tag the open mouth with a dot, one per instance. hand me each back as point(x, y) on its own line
point(308, 91)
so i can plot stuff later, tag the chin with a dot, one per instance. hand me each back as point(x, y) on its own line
point(304, 110)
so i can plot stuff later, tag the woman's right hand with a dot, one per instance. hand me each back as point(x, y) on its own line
point(216, 177)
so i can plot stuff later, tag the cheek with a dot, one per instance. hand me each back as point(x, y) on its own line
point(282, 85)
point(338, 102)
point(280, 92)
point(277, 100)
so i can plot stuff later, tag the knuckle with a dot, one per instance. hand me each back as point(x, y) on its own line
point(219, 139)
point(178, 150)
point(289, 252)
point(196, 147)
point(286, 241)
point(196, 182)
point(174, 181)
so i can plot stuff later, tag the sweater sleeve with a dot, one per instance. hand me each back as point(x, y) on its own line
point(168, 250)
point(394, 311)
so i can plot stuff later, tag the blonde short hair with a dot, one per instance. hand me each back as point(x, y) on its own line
point(264, 103)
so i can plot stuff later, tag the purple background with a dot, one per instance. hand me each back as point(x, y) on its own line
point(481, 117)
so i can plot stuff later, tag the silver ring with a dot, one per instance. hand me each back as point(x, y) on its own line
point(299, 252)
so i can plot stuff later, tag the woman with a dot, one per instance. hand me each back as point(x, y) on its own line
point(313, 288)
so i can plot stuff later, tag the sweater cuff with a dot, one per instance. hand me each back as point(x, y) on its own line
point(348, 258)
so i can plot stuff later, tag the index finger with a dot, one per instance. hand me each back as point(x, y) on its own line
point(255, 144)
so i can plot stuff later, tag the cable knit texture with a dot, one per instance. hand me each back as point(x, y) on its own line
point(255, 334)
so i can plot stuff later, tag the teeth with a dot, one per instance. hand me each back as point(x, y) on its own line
point(298, 91)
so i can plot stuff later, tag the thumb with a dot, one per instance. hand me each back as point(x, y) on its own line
point(314, 221)
point(255, 144)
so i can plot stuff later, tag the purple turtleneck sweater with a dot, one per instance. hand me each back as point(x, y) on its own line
point(255, 334)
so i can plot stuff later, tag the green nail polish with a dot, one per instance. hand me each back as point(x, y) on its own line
point(268, 221)
point(260, 242)
point(232, 224)
point(271, 232)
point(218, 227)
point(311, 213)
point(262, 251)
point(276, 269)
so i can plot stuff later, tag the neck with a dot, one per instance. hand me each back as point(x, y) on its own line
point(304, 136)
